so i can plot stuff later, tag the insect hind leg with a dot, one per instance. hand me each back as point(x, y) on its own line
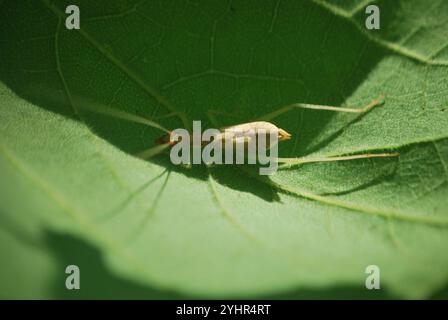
point(298, 161)
point(375, 102)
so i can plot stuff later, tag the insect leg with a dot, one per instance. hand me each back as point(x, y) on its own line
point(293, 106)
point(298, 161)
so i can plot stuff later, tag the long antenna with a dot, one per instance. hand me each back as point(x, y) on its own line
point(125, 116)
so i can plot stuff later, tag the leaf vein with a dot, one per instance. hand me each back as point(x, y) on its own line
point(396, 48)
point(225, 212)
point(122, 66)
point(354, 207)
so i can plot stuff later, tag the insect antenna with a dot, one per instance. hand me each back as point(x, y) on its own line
point(151, 152)
point(119, 114)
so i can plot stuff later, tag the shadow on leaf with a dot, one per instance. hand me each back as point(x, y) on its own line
point(98, 282)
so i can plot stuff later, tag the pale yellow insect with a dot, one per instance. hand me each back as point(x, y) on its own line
point(239, 133)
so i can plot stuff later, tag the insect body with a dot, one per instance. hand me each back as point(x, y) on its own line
point(241, 133)
point(244, 133)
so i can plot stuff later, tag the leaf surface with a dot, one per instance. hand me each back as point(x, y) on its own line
point(225, 231)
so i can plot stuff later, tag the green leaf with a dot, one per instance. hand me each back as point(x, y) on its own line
point(73, 191)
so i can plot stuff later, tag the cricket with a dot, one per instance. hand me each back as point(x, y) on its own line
point(242, 134)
